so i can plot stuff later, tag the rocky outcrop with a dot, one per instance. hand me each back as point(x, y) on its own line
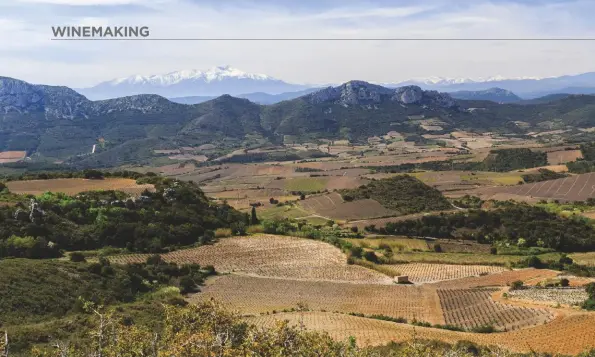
point(19, 96)
point(363, 93)
point(57, 102)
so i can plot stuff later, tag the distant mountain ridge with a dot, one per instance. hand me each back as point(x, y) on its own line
point(497, 95)
point(57, 123)
point(525, 87)
point(212, 82)
point(258, 97)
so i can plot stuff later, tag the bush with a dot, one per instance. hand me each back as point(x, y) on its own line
point(437, 248)
point(77, 257)
point(516, 285)
point(371, 257)
point(356, 252)
point(493, 250)
point(564, 282)
point(533, 262)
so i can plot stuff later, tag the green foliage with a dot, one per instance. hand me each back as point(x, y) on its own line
point(542, 175)
point(506, 223)
point(516, 285)
point(402, 193)
point(514, 159)
point(176, 215)
point(468, 201)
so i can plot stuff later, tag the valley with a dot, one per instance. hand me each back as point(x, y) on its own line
point(379, 214)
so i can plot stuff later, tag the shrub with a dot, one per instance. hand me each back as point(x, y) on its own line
point(564, 282)
point(437, 248)
point(516, 285)
point(356, 252)
point(493, 250)
point(371, 257)
point(77, 257)
point(533, 262)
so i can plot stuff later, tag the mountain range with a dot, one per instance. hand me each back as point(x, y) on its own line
point(210, 83)
point(57, 123)
point(194, 86)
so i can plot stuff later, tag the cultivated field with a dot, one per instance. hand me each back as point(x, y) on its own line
point(332, 205)
point(528, 276)
point(12, 156)
point(272, 256)
point(567, 296)
point(572, 188)
point(472, 308)
point(396, 244)
point(75, 185)
point(428, 273)
point(564, 156)
point(254, 295)
point(569, 335)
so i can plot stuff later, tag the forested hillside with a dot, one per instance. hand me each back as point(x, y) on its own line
point(176, 214)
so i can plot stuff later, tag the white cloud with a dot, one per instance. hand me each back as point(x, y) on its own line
point(85, 63)
point(84, 2)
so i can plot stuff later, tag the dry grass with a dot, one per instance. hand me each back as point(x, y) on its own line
point(272, 256)
point(427, 273)
point(395, 243)
point(75, 185)
point(564, 156)
point(254, 295)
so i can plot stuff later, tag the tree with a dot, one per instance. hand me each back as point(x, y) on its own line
point(253, 218)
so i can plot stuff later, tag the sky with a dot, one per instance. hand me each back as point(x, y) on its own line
point(27, 52)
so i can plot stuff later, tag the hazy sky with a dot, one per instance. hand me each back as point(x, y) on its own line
point(27, 53)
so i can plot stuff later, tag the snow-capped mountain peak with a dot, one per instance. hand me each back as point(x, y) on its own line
point(213, 74)
point(191, 82)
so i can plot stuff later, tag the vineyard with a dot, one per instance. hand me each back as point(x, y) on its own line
point(572, 188)
point(272, 256)
point(473, 308)
point(551, 295)
point(74, 186)
point(254, 295)
point(332, 205)
point(569, 336)
point(528, 276)
point(427, 273)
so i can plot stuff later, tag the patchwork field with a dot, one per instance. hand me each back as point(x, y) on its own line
point(272, 256)
point(75, 185)
point(568, 189)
